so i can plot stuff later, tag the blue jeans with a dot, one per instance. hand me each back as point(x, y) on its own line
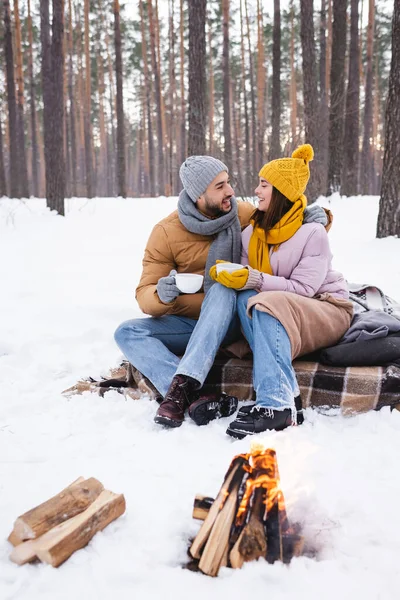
point(274, 379)
point(153, 345)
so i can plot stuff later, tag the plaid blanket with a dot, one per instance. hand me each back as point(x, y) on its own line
point(352, 389)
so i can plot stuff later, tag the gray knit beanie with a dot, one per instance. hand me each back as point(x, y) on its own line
point(197, 172)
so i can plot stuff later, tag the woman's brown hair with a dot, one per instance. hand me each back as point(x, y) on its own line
point(278, 207)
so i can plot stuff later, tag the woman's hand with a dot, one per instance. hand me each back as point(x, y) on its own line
point(213, 271)
point(235, 280)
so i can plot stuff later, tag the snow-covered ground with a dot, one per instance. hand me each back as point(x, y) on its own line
point(65, 286)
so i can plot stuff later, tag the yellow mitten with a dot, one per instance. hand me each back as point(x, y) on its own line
point(235, 280)
point(213, 270)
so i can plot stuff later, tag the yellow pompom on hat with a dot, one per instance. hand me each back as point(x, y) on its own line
point(290, 175)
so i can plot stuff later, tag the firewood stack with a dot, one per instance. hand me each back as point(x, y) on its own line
point(247, 520)
point(52, 531)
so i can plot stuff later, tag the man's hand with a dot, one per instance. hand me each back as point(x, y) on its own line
point(315, 214)
point(166, 288)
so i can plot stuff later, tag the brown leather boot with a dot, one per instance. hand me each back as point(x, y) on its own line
point(181, 393)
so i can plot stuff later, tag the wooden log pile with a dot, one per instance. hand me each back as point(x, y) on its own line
point(247, 520)
point(54, 530)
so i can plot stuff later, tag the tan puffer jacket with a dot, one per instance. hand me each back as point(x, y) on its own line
point(172, 246)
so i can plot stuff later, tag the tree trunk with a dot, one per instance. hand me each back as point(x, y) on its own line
point(3, 182)
point(23, 169)
point(87, 109)
point(336, 115)
point(35, 151)
point(261, 82)
point(147, 80)
point(247, 163)
point(226, 85)
point(293, 84)
point(120, 105)
point(323, 92)
point(211, 101)
point(197, 77)
point(310, 93)
point(351, 135)
point(53, 97)
point(71, 103)
point(389, 206)
point(366, 152)
point(275, 145)
point(254, 132)
point(172, 101)
point(329, 51)
point(12, 104)
point(182, 90)
point(157, 82)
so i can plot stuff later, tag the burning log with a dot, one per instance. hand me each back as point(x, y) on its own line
point(248, 518)
point(65, 523)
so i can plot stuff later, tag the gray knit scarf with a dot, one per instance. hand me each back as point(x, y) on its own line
point(227, 244)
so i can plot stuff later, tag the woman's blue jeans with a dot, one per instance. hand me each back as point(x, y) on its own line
point(274, 379)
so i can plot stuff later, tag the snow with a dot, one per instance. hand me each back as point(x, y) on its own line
point(66, 285)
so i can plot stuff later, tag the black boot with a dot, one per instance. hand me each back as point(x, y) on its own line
point(208, 408)
point(259, 420)
point(181, 393)
point(244, 410)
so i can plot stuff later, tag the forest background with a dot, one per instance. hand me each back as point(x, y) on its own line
point(112, 96)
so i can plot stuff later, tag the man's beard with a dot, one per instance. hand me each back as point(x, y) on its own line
point(216, 211)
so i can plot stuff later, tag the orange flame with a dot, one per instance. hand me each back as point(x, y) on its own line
point(262, 468)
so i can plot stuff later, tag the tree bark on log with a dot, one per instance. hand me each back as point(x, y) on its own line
point(71, 501)
point(57, 544)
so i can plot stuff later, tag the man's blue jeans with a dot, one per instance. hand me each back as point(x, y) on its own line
point(274, 379)
point(153, 345)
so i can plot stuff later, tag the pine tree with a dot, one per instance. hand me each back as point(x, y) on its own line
point(389, 206)
point(337, 83)
point(12, 104)
point(32, 89)
point(23, 169)
point(197, 77)
point(227, 87)
point(310, 93)
point(351, 136)
point(120, 104)
point(275, 146)
point(366, 152)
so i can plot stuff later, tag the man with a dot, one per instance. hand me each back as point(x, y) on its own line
point(206, 227)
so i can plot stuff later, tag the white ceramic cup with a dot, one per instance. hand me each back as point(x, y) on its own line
point(188, 283)
point(230, 267)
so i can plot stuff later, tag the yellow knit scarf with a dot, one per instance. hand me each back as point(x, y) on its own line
point(259, 242)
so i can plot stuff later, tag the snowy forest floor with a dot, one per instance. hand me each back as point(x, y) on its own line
point(66, 283)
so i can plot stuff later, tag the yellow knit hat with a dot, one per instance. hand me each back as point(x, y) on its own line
point(290, 175)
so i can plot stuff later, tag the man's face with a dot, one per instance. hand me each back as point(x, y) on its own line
point(216, 200)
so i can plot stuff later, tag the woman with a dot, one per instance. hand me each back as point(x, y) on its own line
point(290, 301)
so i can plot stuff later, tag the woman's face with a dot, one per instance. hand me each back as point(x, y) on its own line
point(264, 194)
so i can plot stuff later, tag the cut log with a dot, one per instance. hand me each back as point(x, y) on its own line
point(15, 539)
point(71, 501)
point(201, 507)
point(205, 529)
point(215, 548)
point(235, 557)
point(78, 531)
